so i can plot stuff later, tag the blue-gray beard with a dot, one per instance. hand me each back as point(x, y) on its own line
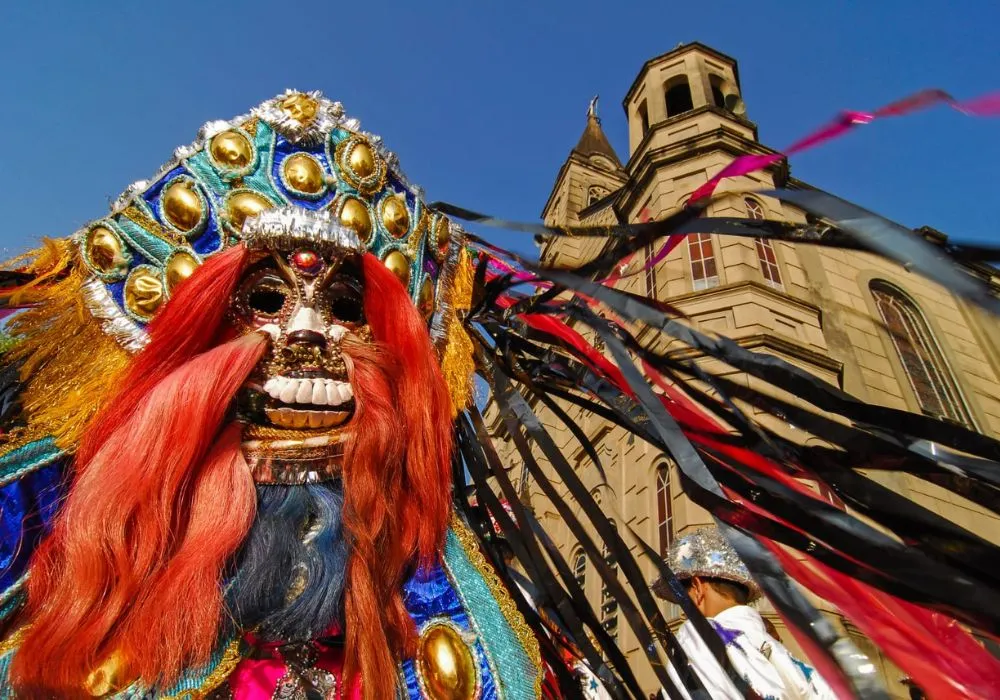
point(288, 580)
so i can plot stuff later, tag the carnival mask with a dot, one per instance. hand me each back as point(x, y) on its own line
point(309, 303)
point(305, 290)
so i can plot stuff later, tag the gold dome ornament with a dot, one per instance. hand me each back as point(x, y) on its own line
point(302, 174)
point(105, 253)
point(181, 265)
point(446, 667)
point(362, 168)
point(182, 206)
point(144, 292)
point(241, 204)
point(361, 160)
point(399, 265)
point(302, 108)
point(231, 150)
point(354, 214)
point(395, 216)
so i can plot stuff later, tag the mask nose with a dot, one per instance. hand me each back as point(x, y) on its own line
point(306, 328)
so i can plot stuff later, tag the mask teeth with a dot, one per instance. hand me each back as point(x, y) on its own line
point(318, 392)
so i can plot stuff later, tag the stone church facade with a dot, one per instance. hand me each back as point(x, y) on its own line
point(858, 321)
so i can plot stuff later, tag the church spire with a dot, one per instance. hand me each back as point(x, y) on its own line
point(593, 141)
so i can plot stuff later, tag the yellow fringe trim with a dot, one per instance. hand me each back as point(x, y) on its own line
point(70, 364)
point(52, 259)
point(457, 363)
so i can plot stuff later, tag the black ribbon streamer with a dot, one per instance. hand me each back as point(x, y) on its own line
point(934, 562)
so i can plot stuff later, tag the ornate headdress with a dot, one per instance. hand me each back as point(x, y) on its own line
point(296, 150)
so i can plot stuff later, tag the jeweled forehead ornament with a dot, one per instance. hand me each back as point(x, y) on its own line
point(288, 228)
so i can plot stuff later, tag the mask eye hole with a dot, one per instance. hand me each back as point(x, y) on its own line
point(345, 303)
point(266, 301)
point(265, 295)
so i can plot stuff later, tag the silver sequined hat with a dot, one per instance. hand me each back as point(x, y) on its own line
point(705, 552)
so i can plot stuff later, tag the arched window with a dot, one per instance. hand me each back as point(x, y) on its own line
point(609, 604)
point(678, 97)
point(929, 376)
point(579, 561)
point(595, 194)
point(650, 271)
point(704, 274)
point(643, 112)
point(664, 508)
point(768, 262)
point(766, 256)
point(718, 98)
point(755, 210)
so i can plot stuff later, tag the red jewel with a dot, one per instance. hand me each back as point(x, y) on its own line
point(307, 261)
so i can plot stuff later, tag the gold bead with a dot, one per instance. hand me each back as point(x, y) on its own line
point(300, 107)
point(182, 205)
point(354, 214)
point(302, 173)
point(143, 292)
point(361, 160)
point(180, 266)
point(399, 266)
point(395, 216)
point(446, 665)
point(232, 150)
point(241, 205)
point(104, 250)
point(425, 302)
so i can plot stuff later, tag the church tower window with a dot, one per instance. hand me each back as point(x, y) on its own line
point(644, 117)
point(755, 210)
point(704, 273)
point(768, 263)
point(664, 508)
point(718, 99)
point(766, 256)
point(678, 97)
point(918, 352)
point(595, 194)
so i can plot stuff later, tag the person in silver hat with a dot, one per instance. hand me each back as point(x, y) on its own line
point(721, 588)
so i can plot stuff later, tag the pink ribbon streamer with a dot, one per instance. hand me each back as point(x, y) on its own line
point(985, 106)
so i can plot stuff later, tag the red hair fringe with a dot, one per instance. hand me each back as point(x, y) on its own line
point(143, 514)
point(397, 478)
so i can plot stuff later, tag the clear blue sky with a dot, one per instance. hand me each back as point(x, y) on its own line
point(483, 100)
